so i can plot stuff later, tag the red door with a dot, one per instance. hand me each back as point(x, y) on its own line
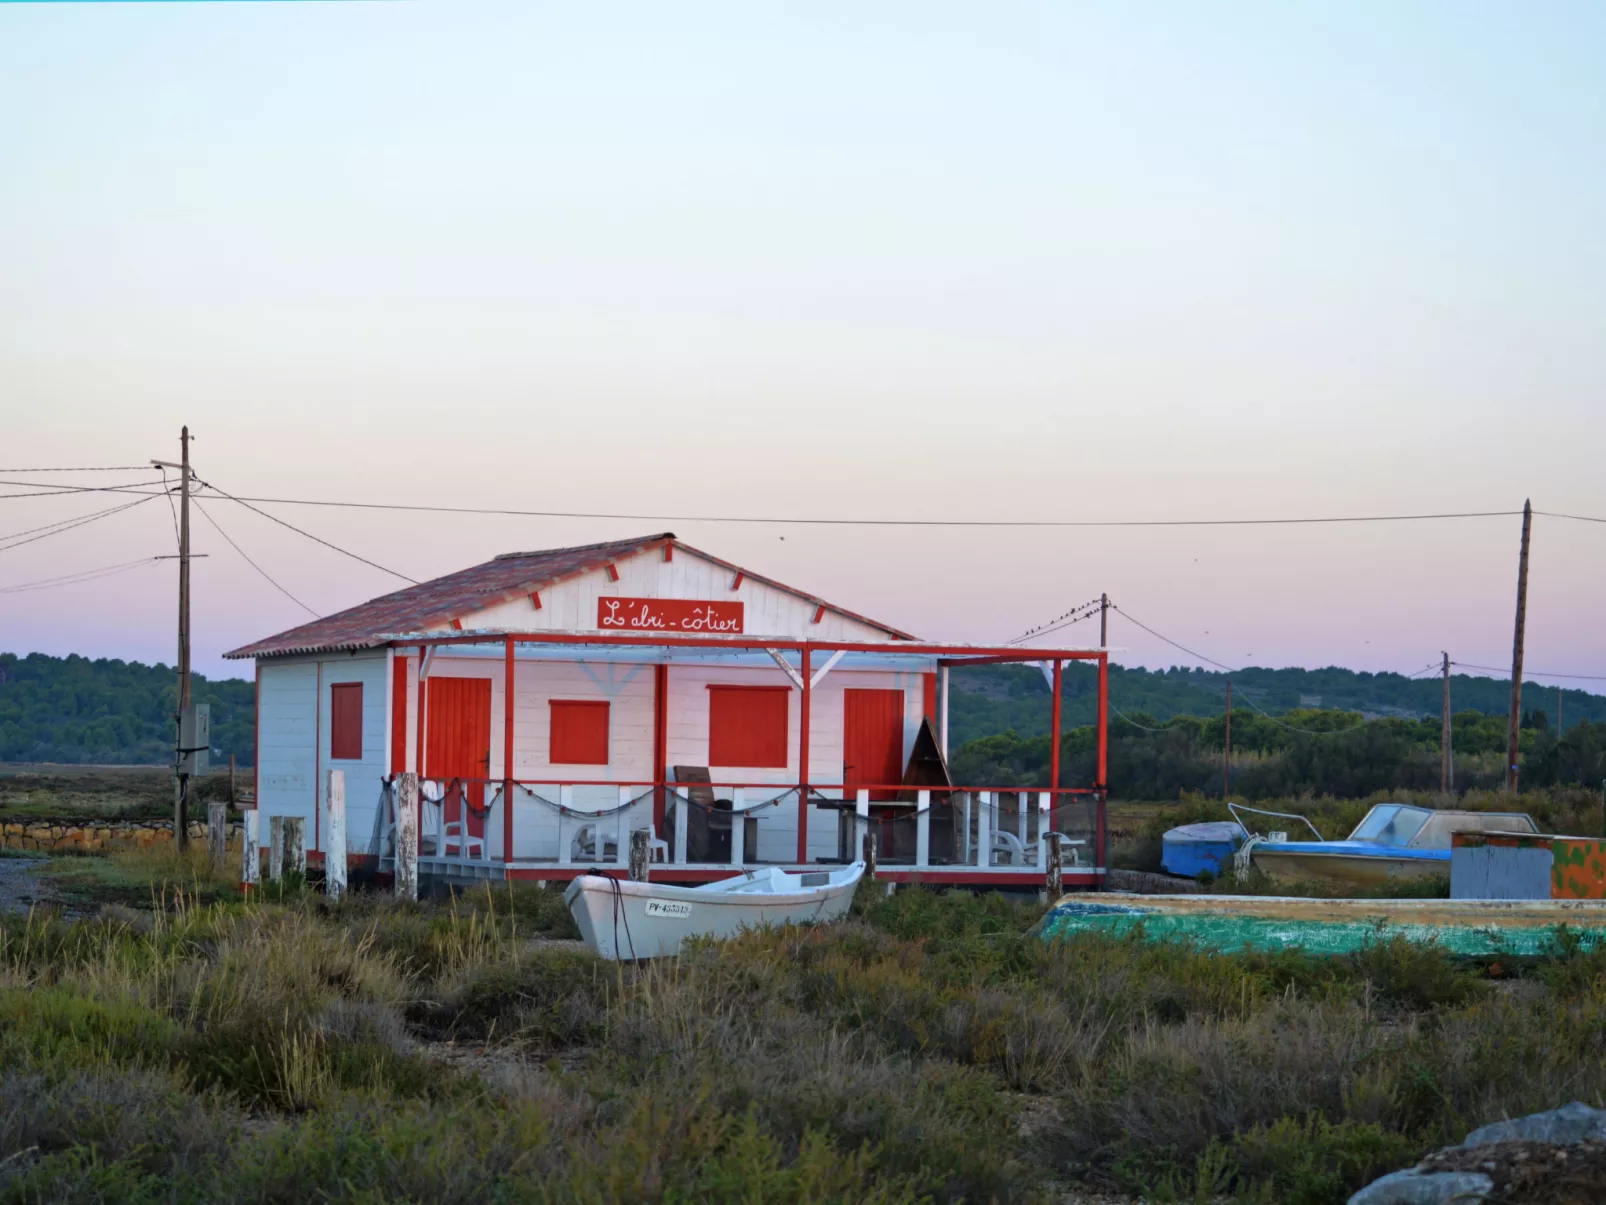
point(872, 741)
point(458, 745)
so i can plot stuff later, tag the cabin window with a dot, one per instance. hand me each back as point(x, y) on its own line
point(579, 732)
point(345, 721)
point(747, 726)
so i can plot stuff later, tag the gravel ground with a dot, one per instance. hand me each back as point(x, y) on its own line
point(20, 887)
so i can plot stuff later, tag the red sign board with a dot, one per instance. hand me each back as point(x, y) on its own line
point(668, 615)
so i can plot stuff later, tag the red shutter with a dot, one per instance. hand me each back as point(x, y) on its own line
point(747, 726)
point(345, 721)
point(398, 716)
point(579, 733)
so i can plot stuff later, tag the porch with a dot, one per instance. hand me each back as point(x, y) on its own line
point(958, 835)
point(861, 746)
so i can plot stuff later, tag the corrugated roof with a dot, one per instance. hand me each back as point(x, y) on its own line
point(434, 604)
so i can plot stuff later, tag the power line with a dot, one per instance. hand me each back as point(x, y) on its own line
point(795, 521)
point(94, 468)
point(315, 539)
point(28, 531)
point(1080, 612)
point(1168, 640)
point(74, 579)
point(776, 520)
point(252, 563)
point(47, 489)
point(1553, 514)
point(1537, 673)
point(70, 524)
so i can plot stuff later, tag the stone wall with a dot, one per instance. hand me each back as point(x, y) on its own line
point(46, 836)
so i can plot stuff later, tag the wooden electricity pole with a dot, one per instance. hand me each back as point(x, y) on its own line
point(1446, 754)
point(181, 798)
point(1226, 762)
point(181, 820)
point(1104, 621)
point(1516, 649)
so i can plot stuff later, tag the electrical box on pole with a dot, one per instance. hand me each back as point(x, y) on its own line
point(194, 738)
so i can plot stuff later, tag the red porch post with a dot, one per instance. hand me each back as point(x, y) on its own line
point(660, 743)
point(1054, 724)
point(803, 768)
point(423, 715)
point(507, 753)
point(1104, 748)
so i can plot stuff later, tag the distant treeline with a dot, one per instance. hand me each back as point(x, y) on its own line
point(72, 709)
point(1316, 752)
point(1001, 698)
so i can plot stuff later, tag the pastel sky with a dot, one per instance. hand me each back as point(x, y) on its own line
point(919, 260)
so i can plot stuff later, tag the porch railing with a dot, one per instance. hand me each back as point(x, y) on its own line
point(588, 823)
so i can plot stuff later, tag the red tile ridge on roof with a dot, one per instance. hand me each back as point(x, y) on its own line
point(506, 577)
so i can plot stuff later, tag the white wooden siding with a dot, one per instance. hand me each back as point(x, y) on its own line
point(365, 775)
point(287, 705)
point(572, 606)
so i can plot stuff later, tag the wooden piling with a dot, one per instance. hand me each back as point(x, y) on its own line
point(217, 832)
point(640, 855)
point(334, 858)
point(407, 836)
point(250, 853)
point(869, 855)
point(1055, 877)
point(275, 848)
point(295, 845)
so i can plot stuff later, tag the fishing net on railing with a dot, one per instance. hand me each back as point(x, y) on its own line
point(380, 842)
point(563, 809)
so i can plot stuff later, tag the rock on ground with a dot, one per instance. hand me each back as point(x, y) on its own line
point(1552, 1158)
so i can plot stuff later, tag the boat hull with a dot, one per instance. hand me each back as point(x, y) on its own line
point(628, 921)
point(1289, 863)
point(1473, 928)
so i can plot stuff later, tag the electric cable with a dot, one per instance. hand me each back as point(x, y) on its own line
point(1538, 673)
point(74, 579)
point(1080, 612)
point(69, 525)
point(94, 468)
point(252, 563)
point(315, 539)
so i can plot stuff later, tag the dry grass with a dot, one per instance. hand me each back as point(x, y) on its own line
point(928, 1049)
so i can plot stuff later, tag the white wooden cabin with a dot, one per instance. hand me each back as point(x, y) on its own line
point(553, 701)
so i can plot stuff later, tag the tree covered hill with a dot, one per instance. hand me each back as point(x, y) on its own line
point(992, 699)
point(72, 709)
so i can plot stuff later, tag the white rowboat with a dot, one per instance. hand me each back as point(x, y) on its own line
point(623, 920)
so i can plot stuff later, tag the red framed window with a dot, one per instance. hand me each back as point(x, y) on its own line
point(579, 732)
point(345, 721)
point(747, 726)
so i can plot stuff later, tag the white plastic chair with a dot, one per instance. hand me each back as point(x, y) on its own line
point(454, 838)
point(1024, 853)
point(584, 845)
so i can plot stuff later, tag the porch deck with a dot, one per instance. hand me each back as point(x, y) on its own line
point(946, 836)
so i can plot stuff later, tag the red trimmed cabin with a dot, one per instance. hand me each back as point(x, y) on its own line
point(551, 702)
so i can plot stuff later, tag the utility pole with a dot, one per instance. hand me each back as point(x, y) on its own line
point(1446, 754)
point(1104, 621)
point(185, 758)
point(1226, 764)
point(1516, 649)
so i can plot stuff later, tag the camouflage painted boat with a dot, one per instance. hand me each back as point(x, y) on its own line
point(1473, 928)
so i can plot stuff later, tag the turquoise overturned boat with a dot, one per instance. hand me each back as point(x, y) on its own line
point(1230, 923)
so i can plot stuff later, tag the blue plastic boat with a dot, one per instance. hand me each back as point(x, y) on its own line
point(1191, 849)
